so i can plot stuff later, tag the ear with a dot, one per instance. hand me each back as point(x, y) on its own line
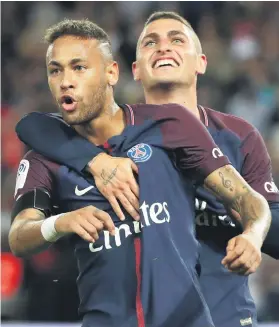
point(135, 71)
point(202, 64)
point(113, 73)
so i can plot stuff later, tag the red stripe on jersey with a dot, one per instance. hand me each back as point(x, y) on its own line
point(131, 114)
point(107, 146)
point(205, 116)
point(139, 308)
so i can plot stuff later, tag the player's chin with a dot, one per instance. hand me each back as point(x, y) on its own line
point(71, 117)
point(165, 82)
point(166, 76)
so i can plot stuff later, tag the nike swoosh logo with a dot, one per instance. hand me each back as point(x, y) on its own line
point(82, 192)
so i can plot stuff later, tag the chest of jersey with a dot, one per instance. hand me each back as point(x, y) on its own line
point(166, 201)
point(75, 191)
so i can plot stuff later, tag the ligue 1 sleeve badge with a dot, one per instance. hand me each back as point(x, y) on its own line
point(21, 174)
point(140, 152)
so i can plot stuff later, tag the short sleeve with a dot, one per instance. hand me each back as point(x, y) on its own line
point(196, 152)
point(50, 136)
point(256, 168)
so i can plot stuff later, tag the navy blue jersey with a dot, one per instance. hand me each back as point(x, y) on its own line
point(145, 275)
point(228, 294)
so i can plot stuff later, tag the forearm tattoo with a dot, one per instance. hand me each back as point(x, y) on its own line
point(241, 198)
point(226, 182)
point(251, 210)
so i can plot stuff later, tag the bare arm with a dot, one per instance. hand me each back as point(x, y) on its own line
point(257, 171)
point(25, 235)
point(246, 205)
point(250, 209)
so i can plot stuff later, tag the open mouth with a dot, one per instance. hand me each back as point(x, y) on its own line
point(68, 103)
point(165, 63)
point(68, 100)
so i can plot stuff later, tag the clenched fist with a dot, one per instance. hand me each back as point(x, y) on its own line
point(243, 254)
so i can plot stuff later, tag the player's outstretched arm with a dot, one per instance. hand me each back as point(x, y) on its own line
point(31, 232)
point(257, 171)
point(198, 157)
point(50, 136)
point(247, 206)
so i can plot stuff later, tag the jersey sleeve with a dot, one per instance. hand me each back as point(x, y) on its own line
point(50, 136)
point(34, 184)
point(256, 168)
point(33, 172)
point(196, 152)
point(257, 171)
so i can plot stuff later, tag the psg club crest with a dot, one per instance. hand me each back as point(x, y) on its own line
point(140, 152)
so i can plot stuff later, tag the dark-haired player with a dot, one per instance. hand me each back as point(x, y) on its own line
point(122, 283)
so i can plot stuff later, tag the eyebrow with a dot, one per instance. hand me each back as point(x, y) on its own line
point(173, 33)
point(72, 62)
point(156, 35)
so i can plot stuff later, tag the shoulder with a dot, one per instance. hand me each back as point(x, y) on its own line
point(232, 123)
point(33, 158)
point(170, 111)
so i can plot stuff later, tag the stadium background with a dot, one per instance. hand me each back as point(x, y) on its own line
point(241, 41)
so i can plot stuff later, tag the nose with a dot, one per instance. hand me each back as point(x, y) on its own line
point(164, 46)
point(67, 81)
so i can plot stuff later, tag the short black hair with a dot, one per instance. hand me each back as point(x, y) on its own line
point(173, 15)
point(82, 28)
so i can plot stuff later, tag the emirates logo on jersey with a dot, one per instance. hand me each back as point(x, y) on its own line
point(156, 213)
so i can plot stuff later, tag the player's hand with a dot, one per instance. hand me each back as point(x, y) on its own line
point(87, 222)
point(114, 178)
point(243, 254)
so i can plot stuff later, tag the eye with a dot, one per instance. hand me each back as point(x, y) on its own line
point(79, 68)
point(149, 43)
point(54, 71)
point(177, 41)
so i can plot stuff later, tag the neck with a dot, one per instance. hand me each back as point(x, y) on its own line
point(185, 97)
point(109, 123)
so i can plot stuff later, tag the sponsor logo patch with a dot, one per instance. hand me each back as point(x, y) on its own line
point(82, 192)
point(21, 174)
point(216, 152)
point(270, 187)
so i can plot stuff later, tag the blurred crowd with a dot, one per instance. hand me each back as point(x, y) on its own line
point(240, 39)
